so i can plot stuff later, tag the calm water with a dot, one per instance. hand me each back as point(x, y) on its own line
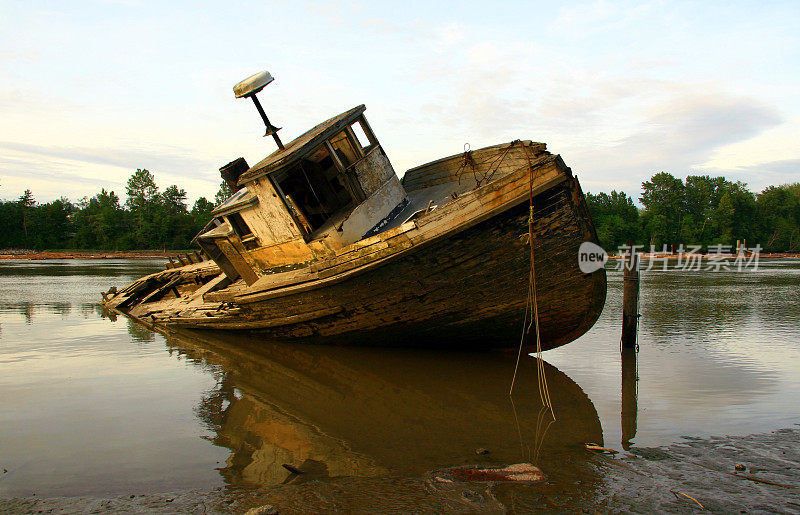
point(92, 405)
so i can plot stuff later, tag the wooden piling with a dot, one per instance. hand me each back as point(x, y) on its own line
point(630, 401)
point(630, 298)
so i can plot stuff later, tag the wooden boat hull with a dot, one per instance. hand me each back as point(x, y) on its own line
point(467, 290)
point(456, 276)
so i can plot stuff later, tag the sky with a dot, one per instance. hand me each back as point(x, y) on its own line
point(92, 90)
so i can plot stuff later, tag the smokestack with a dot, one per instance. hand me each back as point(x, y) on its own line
point(232, 171)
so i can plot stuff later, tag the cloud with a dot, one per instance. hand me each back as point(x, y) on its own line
point(600, 17)
point(616, 130)
point(678, 135)
point(451, 33)
point(9, 55)
point(685, 131)
point(759, 176)
point(169, 160)
point(383, 26)
point(336, 13)
point(53, 171)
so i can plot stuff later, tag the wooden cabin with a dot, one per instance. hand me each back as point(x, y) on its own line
point(330, 187)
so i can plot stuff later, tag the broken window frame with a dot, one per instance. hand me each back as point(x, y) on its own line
point(239, 226)
point(346, 173)
point(367, 130)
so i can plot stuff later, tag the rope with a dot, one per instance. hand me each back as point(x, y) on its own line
point(491, 170)
point(532, 302)
point(467, 161)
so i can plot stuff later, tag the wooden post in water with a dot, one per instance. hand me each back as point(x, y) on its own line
point(630, 297)
point(630, 401)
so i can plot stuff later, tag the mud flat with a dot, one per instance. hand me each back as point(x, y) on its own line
point(677, 478)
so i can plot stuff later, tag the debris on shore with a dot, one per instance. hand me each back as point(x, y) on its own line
point(662, 479)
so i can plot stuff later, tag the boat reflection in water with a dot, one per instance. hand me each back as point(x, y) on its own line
point(362, 412)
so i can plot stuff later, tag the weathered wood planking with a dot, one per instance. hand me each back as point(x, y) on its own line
point(456, 275)
point(490, 163)
point(469, 288)
point(468, 209)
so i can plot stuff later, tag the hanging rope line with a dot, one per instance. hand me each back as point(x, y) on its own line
point(468, 162)
point(541, 434)
point(532, 306)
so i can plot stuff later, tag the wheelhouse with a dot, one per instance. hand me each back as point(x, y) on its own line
point(328, 188)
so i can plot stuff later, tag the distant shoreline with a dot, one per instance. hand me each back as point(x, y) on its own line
point(88, 254)
point(10, 254)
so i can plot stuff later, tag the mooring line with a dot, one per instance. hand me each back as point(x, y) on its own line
point(532, 305)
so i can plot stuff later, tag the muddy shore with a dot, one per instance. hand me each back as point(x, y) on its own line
point(680, 478)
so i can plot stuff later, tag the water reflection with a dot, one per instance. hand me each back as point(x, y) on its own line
point(715, 306)
point(26, 309)
point(137, 332)
point(335, 412)
point(91, 407)
point(718, 354)
point(60, 308)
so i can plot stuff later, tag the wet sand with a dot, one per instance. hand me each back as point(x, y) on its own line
point(687, 468)
point(641, 481)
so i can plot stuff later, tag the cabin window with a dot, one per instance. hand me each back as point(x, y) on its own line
point(344, 149)
point(239, 226)
point(314, 189)
point(361, 136)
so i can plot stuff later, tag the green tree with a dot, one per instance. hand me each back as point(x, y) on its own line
point(174, 200)
point(53, 224)
point(147, 220)
point(663, 197)
point(26, 203)
point(141, 190)
point(176, 224)
point(223, 194)
point(100, 222)
point(201, 211)
point(616, 218)
point(12, 235)
point(724, 217)
point(702, 195)
point(144, 204)
point(778, 214)
point(742, 225)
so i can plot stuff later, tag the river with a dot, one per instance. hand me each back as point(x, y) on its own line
point(96, 405)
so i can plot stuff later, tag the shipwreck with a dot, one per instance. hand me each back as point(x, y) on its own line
point(321, 241)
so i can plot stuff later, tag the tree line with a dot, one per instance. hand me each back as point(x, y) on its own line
point(701, 211)
point(148, 219)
